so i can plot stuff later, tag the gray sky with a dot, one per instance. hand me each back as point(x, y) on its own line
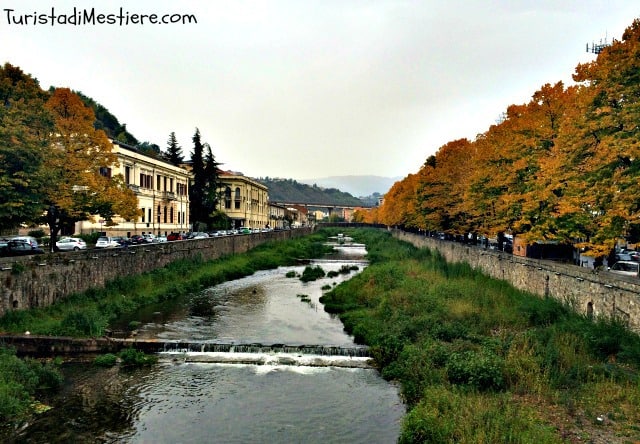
point(306, 89)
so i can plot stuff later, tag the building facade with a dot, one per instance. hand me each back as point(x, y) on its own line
point(244, 200)
point(162, 190)
point(279, 217)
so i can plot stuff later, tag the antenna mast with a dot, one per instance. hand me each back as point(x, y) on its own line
point(596, 48)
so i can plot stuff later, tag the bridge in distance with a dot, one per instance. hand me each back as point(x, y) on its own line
point(322, 206)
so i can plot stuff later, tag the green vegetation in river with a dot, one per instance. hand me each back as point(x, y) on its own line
point(21, 380)
point(479, 361)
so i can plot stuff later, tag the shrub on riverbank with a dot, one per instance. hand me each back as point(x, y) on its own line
point(20, 381)
point(479, 361)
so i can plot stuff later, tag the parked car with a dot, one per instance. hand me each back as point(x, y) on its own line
point(623, 257)
point(196, 235)
point(71, 244)
point(161, 239)
point(149, 237)
point(106, 242)
point(30, 239)
point(122, 241)
point(627, 268)
point(175, 237)
point(137, 239)
point(245, 231)
point(19, 247)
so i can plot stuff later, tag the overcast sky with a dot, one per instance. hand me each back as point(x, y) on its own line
point(307, 89)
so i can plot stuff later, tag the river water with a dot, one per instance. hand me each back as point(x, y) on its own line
point(182, 401)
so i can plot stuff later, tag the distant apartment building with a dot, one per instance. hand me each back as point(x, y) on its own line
point(278, 216)
point(244, 200)
point(162, 192)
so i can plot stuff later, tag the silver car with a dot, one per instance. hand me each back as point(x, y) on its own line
point(627, 268)
point(71, 244)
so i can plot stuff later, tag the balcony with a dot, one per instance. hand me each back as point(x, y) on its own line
point(134, 188)
point(168, 195)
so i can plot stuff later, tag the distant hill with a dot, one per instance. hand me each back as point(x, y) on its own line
point(108, 122)
point(289, 190)
point(356, 185)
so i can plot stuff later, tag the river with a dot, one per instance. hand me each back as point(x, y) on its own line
point(181, 400)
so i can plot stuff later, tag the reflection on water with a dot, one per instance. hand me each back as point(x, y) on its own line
point(194, 402)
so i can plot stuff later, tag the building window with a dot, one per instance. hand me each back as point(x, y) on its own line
point(165, 214)
point(237, 199)
point(227, 198)
point(145, 181)
point(105, 172)
point(127, 175)
point(171, 215)
point(159, 210)
point(142, 214)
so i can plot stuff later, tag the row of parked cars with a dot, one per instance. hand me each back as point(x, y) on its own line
point(28, 245)
point(136, 239)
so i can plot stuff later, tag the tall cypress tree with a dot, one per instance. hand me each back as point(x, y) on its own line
point(174, 151)
point(213, 183)
point(198, 186)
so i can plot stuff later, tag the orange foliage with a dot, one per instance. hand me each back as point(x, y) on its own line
point(564, 166)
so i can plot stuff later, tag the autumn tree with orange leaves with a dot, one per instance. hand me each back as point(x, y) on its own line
point(79, 184)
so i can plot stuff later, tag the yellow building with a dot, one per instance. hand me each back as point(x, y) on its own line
point(244, 200)
point(162, 192)
point(278, 216)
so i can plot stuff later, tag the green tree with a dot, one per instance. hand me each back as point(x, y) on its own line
point(197, 189)
point(213, 183)
point(149, 149)
point(174, 151)
point(25, 126)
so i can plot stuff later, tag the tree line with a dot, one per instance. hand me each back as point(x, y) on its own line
point(56, 160)
point(563, 167)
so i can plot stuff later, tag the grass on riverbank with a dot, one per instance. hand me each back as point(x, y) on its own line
point(479, 361)
point(88, 314)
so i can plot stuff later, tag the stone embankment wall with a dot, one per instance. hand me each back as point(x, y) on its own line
point(589, 292)
point(39, 281)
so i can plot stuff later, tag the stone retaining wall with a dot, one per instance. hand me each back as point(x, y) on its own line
point(587, 291)
point(39, 281)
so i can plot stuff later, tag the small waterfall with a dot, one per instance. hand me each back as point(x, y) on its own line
point(254, 348)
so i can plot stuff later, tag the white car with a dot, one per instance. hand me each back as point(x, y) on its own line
point(106, 242)
point(627, 268)
point(71, 244)
point(150, 237)
point(161, 239)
